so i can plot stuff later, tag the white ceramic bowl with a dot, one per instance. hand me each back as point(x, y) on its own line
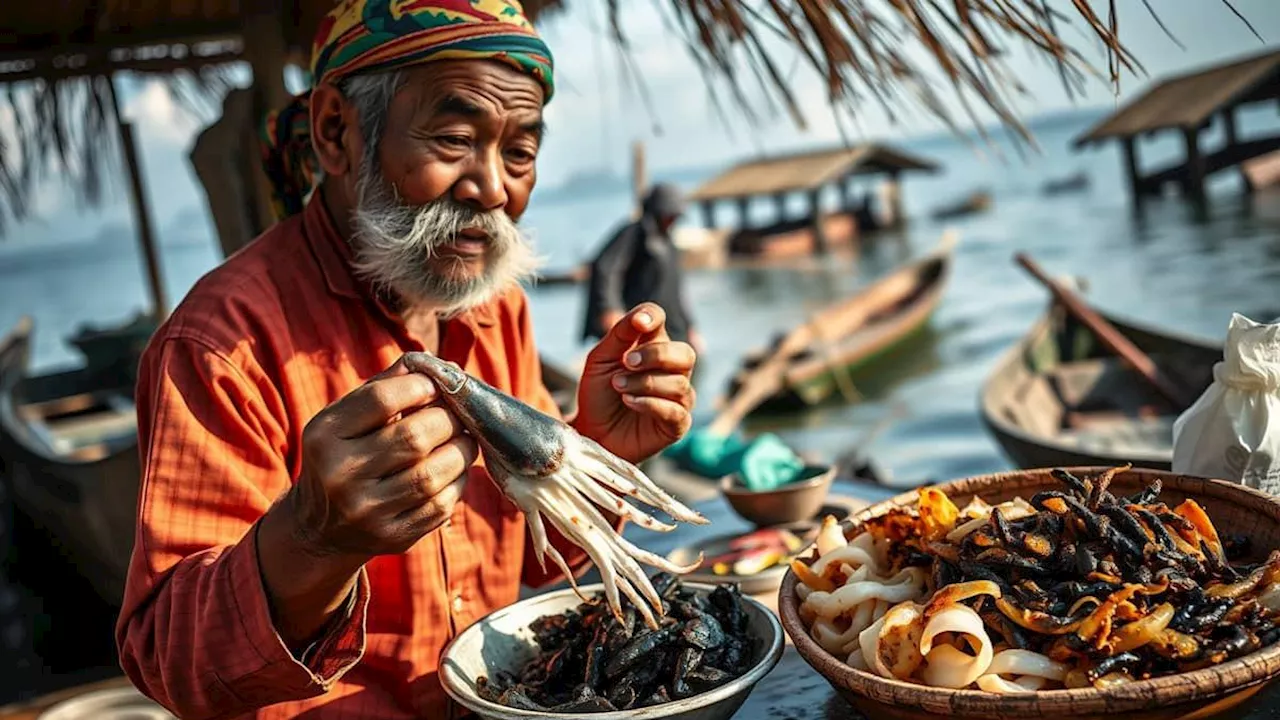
point(502, 641)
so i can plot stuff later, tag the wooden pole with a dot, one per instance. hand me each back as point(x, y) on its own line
point(1129, 145)
point(709, 214)
point(780, 204)
point(1193, 183)
point(1109, 336)
point(639, 176)
point(267, 54)
point(141, 214)
point(815, 215)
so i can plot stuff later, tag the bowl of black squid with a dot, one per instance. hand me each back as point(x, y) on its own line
point(558, 654)
point(1074, 593)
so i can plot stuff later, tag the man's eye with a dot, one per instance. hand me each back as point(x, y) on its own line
point(521, 156)
point(456, 141)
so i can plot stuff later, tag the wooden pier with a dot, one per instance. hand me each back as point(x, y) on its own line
point(1188, 105)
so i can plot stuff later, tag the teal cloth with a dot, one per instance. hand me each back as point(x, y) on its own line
point(763, 463)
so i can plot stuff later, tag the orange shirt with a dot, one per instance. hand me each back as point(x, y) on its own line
point(258, 347)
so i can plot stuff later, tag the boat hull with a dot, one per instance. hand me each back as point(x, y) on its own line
point(1123, 421)
point(871, 325)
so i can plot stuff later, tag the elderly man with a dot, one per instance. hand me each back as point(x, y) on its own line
point(313, 528)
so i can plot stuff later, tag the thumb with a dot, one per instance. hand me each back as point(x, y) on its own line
point(646, 321)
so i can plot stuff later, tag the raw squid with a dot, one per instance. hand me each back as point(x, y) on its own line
point(547, 469)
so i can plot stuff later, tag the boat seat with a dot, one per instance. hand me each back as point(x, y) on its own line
point(1035, 407)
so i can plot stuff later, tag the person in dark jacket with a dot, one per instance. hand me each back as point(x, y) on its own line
point(641, 264)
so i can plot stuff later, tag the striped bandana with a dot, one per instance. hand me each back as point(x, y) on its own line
point(372, 35)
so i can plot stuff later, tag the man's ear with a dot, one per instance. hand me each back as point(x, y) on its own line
point(333, 125)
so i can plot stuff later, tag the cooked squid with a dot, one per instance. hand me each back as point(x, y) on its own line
point(1075, 587)
point(549, 470)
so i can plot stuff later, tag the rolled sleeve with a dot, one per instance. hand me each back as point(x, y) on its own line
point(315, 669)
point(195, 631)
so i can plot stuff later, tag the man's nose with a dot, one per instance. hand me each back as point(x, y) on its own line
point(481, 186)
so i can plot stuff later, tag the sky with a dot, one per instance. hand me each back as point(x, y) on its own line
point(595, 115)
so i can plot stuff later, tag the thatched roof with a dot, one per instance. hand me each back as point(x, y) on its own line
point(1189, 101)
point(806, 171)
point(860, 48)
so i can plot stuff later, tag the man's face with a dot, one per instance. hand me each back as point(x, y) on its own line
point(436, 209)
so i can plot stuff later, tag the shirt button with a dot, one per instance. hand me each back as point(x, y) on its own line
point(457, 603)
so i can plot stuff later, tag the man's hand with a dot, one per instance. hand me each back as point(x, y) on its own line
point(380, 469)
point(635, 397)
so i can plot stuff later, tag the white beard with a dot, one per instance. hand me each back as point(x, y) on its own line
point(397, 245)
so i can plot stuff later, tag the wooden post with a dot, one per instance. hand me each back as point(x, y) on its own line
point(744, 214)
point(266, 53)
point(1193, 182)
point(893, 199)
point(815, 218)
point(845, 184)
point(1229, 125)
point(708, 214)
point(141, 215)
point(639, 176)
point(1130, 148)
point(780, 204)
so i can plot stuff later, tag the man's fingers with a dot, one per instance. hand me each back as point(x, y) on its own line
point(671, 357)
point(425, 516)
point(421, 483)
point(655, 384)
point(407, 441)
point(672, 417)
point(646, 322)
point(374, 404)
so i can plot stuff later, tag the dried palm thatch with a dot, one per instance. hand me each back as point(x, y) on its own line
point(861, 48)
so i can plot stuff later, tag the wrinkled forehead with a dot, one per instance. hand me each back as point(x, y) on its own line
point(475, 89)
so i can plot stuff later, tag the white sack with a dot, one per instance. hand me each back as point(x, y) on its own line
point(1233, 431)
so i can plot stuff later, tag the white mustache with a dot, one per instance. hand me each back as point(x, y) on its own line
point(396, 241)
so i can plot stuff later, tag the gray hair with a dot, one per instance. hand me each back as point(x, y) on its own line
point(371, 94)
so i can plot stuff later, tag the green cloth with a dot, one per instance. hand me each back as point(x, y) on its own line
point(763, 463)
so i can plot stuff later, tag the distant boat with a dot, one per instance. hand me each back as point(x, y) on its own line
point(1059, 399)
point(1068, 184)
point(812, 361)
point(976, 202)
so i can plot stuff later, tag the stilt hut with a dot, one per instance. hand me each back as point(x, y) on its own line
point(1187, 106)
point(816, 230)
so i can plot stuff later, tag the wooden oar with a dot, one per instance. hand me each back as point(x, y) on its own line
point(1109, 335)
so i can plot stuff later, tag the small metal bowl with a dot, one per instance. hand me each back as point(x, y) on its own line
point(794, 502)
point(502, 641)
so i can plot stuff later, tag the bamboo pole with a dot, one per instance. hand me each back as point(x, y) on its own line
point(141, 213)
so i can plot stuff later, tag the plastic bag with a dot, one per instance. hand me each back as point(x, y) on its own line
point(1233, 431)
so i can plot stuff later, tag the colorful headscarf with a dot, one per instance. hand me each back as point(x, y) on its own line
point(370, 35)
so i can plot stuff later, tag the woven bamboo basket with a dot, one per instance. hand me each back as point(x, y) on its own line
point(1212, 692)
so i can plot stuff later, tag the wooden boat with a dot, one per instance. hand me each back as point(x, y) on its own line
point(70, 449)
point(976, 202)
point(849, 334)
point(69, 446)
point(1059, 398)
